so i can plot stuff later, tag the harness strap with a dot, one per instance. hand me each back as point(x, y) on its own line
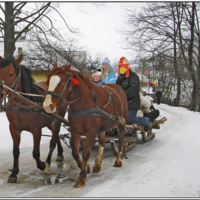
point(29, 94)
point(41, 86)
point(113, 97)
point(8, 107)
point(110, 96)
point(92, 112)
point(15, 83)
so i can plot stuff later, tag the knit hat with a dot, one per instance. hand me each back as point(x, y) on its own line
point(125, 64)
point(106, 60)
point(96, 73)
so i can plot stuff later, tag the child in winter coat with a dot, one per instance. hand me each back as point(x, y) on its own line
point(96, 78)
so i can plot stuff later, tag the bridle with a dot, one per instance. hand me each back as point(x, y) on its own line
point(15, 83)
point(63, 89)
point(13, 86)
point(68, 82)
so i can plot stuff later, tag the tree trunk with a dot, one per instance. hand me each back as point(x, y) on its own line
point(178, 94)
point(195, 97)
point(9, 44)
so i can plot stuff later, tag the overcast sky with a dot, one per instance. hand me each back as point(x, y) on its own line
point(98, 26)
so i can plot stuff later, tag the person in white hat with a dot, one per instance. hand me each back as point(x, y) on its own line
point(96, 78)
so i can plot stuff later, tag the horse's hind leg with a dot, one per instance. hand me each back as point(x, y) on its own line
point(16, 141)
point(97, 165)
point(121, 130)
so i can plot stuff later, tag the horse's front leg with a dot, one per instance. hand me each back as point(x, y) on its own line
point(16, 142)
point(74, 143)
point(90, 138)
point(36, 151)
point(97, 165)
point(121, 132)
point(55, 128)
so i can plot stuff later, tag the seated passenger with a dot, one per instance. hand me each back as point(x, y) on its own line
point(153, 113)
point(147, 109)
point(130, 83)
point(96, 78)
point(108, 75)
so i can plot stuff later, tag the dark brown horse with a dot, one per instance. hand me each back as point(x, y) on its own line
point(92, 111)
point(18, 77)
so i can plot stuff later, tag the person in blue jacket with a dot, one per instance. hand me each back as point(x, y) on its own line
point(108, 75)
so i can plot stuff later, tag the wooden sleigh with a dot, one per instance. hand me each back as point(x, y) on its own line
point(135, 134)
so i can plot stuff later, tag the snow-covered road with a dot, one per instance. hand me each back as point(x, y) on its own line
point(167, 166)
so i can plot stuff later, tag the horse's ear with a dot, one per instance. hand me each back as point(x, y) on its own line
point(1, 58)
point(18, 60)
point(66, 69)
point(54, 67)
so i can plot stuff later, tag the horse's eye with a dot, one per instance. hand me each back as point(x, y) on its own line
point(60, 83)
point(11, 74)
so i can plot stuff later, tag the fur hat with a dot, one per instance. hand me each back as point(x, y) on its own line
point(123, 63)
point(97, 73)
point(106, 60)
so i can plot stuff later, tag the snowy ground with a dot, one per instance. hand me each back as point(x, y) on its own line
point(168, 166)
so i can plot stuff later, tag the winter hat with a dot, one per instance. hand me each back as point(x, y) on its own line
point(106, 60)
point(123, 66)
point(96, 73)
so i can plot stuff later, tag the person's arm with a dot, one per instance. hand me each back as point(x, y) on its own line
point(134, 88)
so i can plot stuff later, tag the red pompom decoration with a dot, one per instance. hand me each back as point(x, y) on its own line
point(74, 81)
point(152, 83)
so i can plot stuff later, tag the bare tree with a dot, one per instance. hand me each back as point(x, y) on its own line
point(22, 17)
point(163, 28)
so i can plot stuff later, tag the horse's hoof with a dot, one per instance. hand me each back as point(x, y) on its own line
point(118, 164)
point(12, 180)
point(79, 184)
point(96, 169)
point(46, 170)
point(88, 169)
point(59, 158)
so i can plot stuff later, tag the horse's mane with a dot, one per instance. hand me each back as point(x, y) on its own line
point(85, 84)
point(28, 85)
point(27, 81)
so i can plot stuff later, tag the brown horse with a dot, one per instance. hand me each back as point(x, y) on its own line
point(92, 111)
point(18, 77)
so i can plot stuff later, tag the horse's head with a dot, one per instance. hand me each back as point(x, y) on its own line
point(8, 69)
point(8, 72)
point(58, 81)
